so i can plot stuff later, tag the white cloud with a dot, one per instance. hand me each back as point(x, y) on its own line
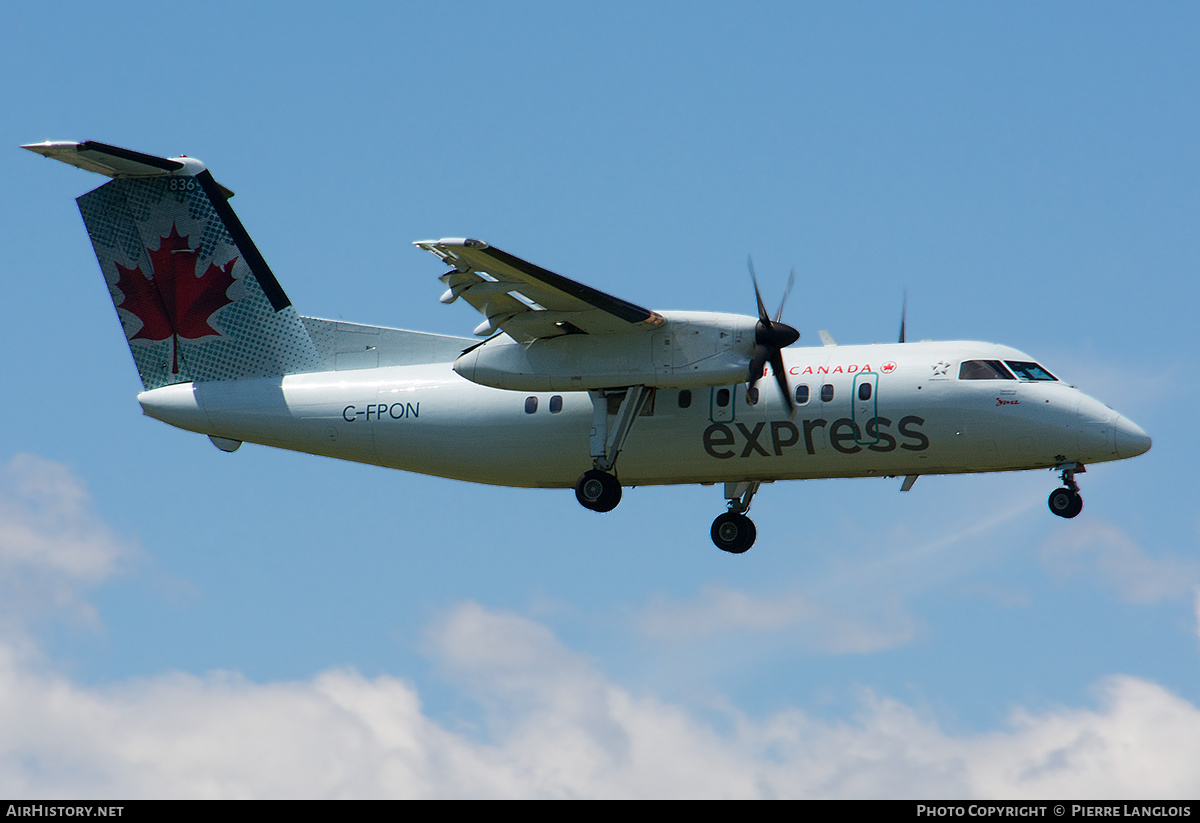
point(556, 727)
point(857, 606)
point(174, 735)
point(554, 724)
point(869, 627)
point(1142, 741)
point(52, 544)
point(1105, 551)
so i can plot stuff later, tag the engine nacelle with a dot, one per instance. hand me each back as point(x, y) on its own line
point(689, 350)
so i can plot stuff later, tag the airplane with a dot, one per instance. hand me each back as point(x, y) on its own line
point(560, 379)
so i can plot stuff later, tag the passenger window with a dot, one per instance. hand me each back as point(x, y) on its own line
point(801, 395)
point(685, 398)
point(722, 397)
point(530, 404)
point(983, 370)
point(864, 391)
point(752, 396)
point(826, 392)
point(556, 404)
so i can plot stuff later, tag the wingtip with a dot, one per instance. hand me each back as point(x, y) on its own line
point(45, 147)
point(467, 242)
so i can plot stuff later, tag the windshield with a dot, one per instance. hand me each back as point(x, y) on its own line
point(983, 370)
point(1027, 370)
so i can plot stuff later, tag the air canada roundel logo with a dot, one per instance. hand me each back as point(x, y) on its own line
point(174, 301)
point(888, 367)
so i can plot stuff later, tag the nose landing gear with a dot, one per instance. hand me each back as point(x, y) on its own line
point(1067, 502)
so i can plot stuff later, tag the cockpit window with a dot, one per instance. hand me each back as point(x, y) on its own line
point(983, 370)
point(1029, 371)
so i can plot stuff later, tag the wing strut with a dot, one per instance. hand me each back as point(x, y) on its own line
point(606, 442)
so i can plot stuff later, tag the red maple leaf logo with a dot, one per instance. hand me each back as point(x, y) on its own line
point(176, 302)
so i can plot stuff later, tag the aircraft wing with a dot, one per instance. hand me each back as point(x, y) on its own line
point(528, 302)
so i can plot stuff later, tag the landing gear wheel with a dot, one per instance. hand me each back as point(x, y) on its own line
point(598, 491)
point(1065, 502)
point(733, 532)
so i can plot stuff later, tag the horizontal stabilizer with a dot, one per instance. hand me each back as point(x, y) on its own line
point(105, 159)
point(114, 161)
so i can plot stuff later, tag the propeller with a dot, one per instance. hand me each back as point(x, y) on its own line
point(903, 315)
point(771, 337)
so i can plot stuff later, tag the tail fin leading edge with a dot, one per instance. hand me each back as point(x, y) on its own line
point(195, 297)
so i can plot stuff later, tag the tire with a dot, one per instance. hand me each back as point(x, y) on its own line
point(598, 491)
point(1065, 503)
point(733, 533)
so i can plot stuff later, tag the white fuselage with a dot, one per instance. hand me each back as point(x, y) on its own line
point(919, 418)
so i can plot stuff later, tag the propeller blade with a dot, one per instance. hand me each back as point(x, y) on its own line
point(762, 310)
point(762, 354)
point(786, 292)
point(782, 381)
point(903, 315)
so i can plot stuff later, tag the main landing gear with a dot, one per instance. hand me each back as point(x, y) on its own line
point(733, 531)
point(1067, 502)
point(598, 489)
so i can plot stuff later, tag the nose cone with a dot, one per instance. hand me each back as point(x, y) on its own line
point(1130, 439)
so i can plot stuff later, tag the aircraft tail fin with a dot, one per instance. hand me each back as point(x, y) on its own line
point(195, 297)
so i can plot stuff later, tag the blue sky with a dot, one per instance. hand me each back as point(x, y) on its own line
point(175, 621)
